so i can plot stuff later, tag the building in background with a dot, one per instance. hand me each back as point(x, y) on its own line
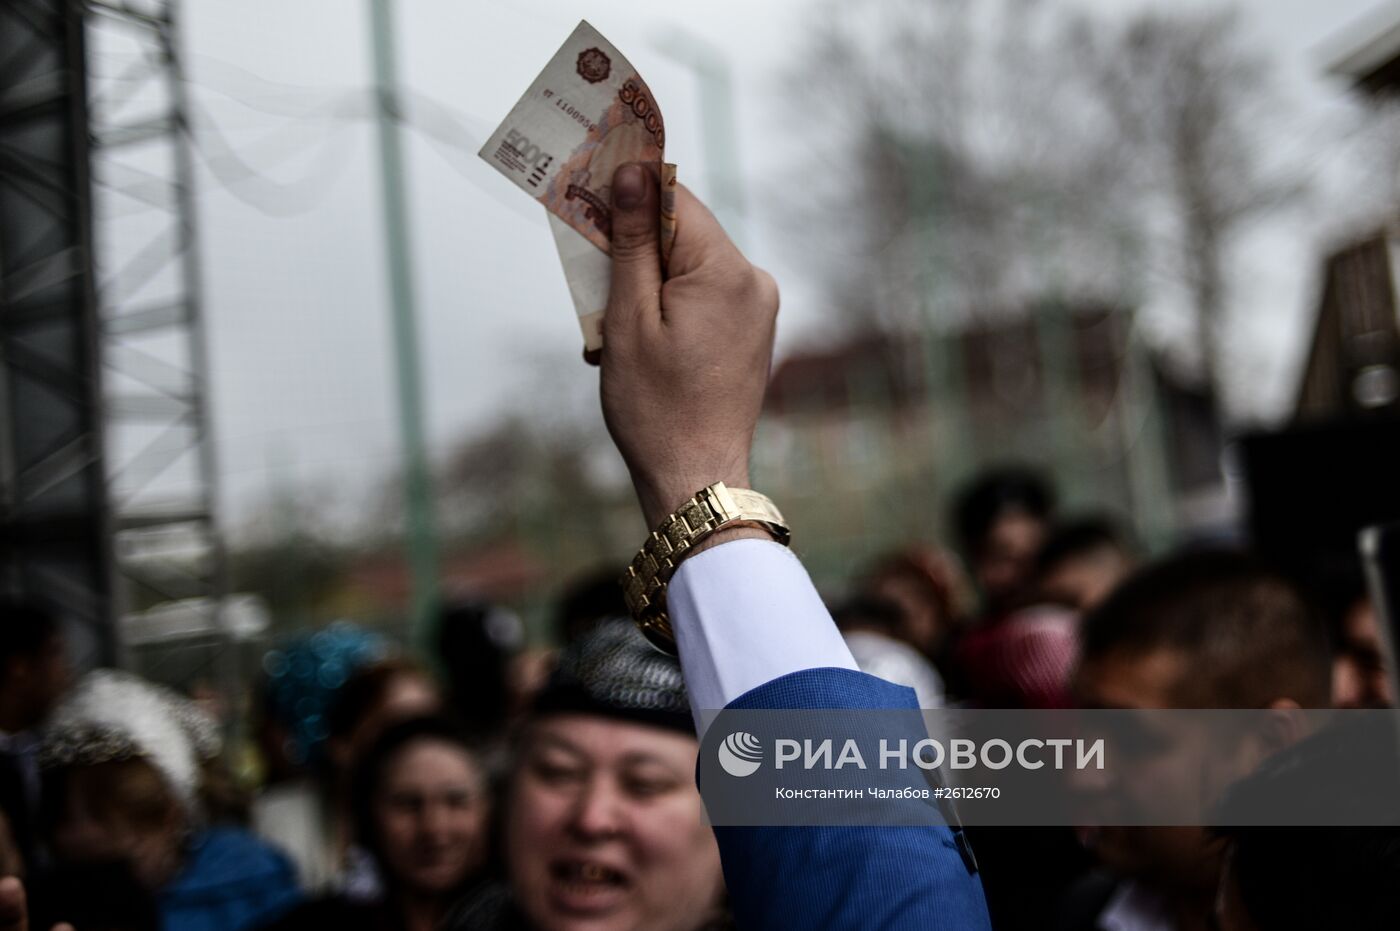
point(1371, 56)
point(1353, 365)
point(865, 441)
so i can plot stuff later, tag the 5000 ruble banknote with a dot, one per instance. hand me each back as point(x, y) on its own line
point(587, 113)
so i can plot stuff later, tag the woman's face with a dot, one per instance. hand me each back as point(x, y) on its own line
point(431, 815)
point(606, 830)
point(121, 810)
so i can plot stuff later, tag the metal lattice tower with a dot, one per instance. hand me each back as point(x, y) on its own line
point(161, 469)
point(54, 544)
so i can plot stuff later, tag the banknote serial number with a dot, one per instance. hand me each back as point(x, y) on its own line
point(571, 111)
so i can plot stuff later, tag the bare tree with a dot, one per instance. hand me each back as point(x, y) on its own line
point(992, 155)
point(1192, 102)
point(968, 175)
point(288, 553)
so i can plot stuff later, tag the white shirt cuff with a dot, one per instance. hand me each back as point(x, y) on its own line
point(746, 613)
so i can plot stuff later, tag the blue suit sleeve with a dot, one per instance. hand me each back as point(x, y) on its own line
point(847, 877)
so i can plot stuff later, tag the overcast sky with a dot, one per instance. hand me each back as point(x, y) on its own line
point(293, 261)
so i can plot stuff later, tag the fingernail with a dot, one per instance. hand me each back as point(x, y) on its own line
point(629, 187)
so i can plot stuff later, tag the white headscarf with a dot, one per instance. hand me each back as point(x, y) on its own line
point(114, 715)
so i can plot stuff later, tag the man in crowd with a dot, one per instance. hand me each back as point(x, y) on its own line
point(1360, 671)
point(34, 675)
point(1001, 520)
point(1081, 561)
point(685, 363)
point(1023, 659)
point(1019, 654)
point(1198, 630)
point(1345, 875)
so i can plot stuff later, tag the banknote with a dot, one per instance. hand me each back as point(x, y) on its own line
point(588, 112)
point(668, 211)
point(588, 273)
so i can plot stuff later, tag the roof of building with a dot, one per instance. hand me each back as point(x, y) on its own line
point(1368, 53)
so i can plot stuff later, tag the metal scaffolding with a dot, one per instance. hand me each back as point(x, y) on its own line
point(161, 468)
point(54, 545)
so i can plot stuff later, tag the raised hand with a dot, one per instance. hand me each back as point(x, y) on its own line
point(685, 361)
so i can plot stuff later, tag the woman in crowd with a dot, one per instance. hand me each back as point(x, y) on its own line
point(421, 811)
point(604, 827)
point(297, 808)
point(326, 699)
point(122, 767)
point(931, 592)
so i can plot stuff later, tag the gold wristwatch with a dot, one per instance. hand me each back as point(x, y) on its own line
point(713, 508)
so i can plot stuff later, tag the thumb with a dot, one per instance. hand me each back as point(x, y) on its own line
point(14, 913)
point(636, 247)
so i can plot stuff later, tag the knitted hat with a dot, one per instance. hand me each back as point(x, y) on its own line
point(114, 715)
point(612, 671)
point(301, 677)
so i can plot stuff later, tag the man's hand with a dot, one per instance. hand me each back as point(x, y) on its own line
point(685, 362)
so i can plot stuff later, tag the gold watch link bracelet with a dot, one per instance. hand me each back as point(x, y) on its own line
point(713, 508)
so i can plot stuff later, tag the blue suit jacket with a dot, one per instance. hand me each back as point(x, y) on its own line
point(846, 877)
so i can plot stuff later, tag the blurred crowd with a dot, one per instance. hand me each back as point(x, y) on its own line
point(491, 786)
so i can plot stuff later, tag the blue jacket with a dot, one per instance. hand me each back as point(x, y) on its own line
point(231, 881)
point(847, 877)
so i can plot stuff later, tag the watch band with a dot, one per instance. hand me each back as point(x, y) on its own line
point(713, 507)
